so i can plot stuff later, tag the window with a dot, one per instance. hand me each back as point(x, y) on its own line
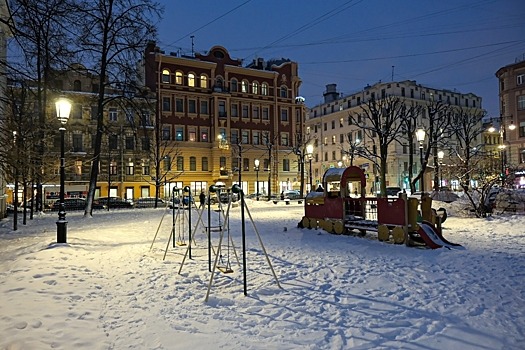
point(178, 78)
point(130, 169)
point(179, 133)
point(520, 79)
point(235, 136)
point(145, 168)
point(325, 141)
point(204, 81)
point(244, 86)
point(193, 163)
point(192, 106)
point(286, 164)
point(256, 137)
point(333, 155)
point(180, 163)
point(78, 167)
point(222, 162)
point(333, 124)
point(246, 164)
point(129, 115)
point(233, 85)
point(284, 139)
point(204, 163)
point(522, 129)
point(130, 142)
point(77, 143)
point(113, 141)
point(284, 115)
point(192, 134)
point(145, 144)
point(284, 92)
point(113, 168)
point(245, 113)
point(264, 89)
point(166, 104)
point(191, 80)
point(255, 112)
point(333, 139)
point(166, 133)
point(179, 105)
point(204, 135)
point(255, 88)
point(222, 109)
point(266, 164)
point(204, 107)
point(266, 113)
point(165, 76)
point(521, 102)
point(167, 163)
point(76, 111)
point(94, 112)
point(145, 121)
point(77, 85)
point(245, 136)
point(235, 110)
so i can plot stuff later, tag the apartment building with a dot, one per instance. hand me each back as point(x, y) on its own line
point(330, 127)
point(126, 158)
point(512, 116)
point(5, 33)
point(221, 116)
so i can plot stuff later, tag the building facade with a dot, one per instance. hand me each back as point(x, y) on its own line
point(5, 33)
point(332, 131)
point(512, 116)
point(221, 116)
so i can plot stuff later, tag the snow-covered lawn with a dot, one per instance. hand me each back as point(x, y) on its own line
point(106, 289)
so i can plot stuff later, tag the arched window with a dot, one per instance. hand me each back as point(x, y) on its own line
point(204, 81)
point(255, 88)
point(244, 86)
point(191, 79)
point(178, 78)
point(77, 85)
point(193, 163)
point(233, 85)
point(264, 89)
point(204, 164)
point(165, 76)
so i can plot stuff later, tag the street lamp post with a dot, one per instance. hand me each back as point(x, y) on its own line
point(310, 153)
point(441, 155)
point(63, 107)
point(257, 176)
point(420, 135)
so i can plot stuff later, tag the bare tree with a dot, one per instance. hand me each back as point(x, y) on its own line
point(410, 124)
point(381, 123)
point(113, 34)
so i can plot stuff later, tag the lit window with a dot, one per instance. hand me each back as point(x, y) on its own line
point(165, 76)
point(179, 133)
point(255, 88)
point(78, 167)
point(192, 135)
point(178, 78)
point(191, 79)
point(264, 89)
point(130, 169)
point(244, 86)
point(204, 81)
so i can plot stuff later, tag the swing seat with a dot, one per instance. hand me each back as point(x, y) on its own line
point(214, 228)
point(225, 269)
point(181, 244)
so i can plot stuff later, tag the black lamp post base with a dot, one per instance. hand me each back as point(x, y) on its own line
point(61, 231)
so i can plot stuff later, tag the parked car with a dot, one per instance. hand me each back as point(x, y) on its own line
point(115, 202)
point(292, 194)
point(393, 191)
point(71, 204)
point(149, 202)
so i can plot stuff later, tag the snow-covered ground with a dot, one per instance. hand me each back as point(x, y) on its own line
point(106, 289)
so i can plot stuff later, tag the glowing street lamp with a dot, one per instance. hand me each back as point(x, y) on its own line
point(420, 135)
point(441, 155)
point(63, 108)
point(257, 163)
point(310, 153)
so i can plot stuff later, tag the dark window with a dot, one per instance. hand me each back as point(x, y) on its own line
point(130, 142)
point(192, 106)
point(204, 164)
point(179, 106)
point(113, 141)
point(145, 144)
point(180, 163)
point(77, 143)
point(193, 163)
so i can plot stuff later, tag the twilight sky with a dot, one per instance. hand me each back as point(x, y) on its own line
point(442, 44)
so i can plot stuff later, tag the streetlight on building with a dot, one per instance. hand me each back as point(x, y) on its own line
point(441, 155)
point(310, 153)
point(63, 108)
point(420, 135)
point(257, 163)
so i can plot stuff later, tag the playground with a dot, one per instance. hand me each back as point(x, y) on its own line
point(106, 289)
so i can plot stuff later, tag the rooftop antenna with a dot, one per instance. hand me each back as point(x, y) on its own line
point(393, 73)
point(192, 52)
